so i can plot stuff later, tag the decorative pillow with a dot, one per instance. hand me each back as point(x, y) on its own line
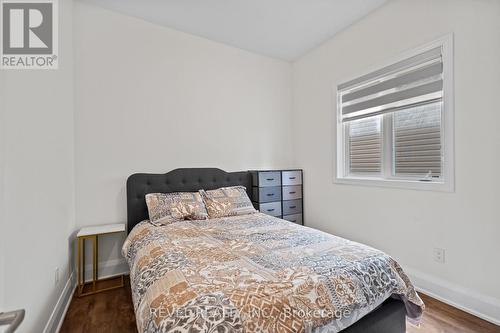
point(165, 208)
point(227, 201)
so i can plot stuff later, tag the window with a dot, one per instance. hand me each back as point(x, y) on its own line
point(395, 125)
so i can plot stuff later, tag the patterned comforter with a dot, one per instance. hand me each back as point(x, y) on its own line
point(256, 273)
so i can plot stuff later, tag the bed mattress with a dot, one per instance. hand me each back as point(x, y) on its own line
point(256, 273)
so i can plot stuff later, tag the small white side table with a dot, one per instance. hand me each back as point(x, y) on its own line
point(93, 233)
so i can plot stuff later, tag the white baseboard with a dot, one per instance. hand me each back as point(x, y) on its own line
point(482, 306)
point(106, 269)
point(57, 316)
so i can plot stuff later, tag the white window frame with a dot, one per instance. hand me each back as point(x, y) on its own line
point(446, 183)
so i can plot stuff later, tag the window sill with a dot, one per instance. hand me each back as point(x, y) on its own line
point(397, 183)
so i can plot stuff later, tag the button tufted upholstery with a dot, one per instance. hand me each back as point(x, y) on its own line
point(178, 180)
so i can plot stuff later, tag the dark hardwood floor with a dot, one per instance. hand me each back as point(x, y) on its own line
point(443, 318)
point(112, 312)
point(107, 312)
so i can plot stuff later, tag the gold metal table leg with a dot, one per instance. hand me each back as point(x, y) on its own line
point(94, 263)
point(83, 263)
point(79, 262)
point(81, 268)
point(97, 257)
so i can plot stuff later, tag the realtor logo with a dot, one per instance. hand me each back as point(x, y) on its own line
point(29, 34)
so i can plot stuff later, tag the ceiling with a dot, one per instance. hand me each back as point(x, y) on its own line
point(284, 29)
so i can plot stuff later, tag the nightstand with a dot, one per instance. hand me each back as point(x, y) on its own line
point(96, 285)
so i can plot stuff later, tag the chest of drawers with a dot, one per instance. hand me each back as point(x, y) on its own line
point(279, 193)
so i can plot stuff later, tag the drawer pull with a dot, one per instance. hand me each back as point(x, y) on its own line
point(292, 207)
point(269, 179)
point(294, 221)
point(292, 192)
point(270, 194)
point(292, 178)
point(271, 210)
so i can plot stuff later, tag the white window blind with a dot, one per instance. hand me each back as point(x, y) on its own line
point(391, 121)
point(365, 146)
point(417, 141)
point(411, 82)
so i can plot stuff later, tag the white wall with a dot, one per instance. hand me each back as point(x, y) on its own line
point(151, 99)
point(38, 182)
point(409, 224)
point(2, 209)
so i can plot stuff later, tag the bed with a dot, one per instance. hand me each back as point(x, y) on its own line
point(255, 273)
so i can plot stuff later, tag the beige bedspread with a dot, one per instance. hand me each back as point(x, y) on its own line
point(256, 273)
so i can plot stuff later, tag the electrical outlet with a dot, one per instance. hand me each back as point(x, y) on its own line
point(56, 275)
point(438, 255)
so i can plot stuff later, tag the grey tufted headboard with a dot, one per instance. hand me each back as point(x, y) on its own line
point(178, 180)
